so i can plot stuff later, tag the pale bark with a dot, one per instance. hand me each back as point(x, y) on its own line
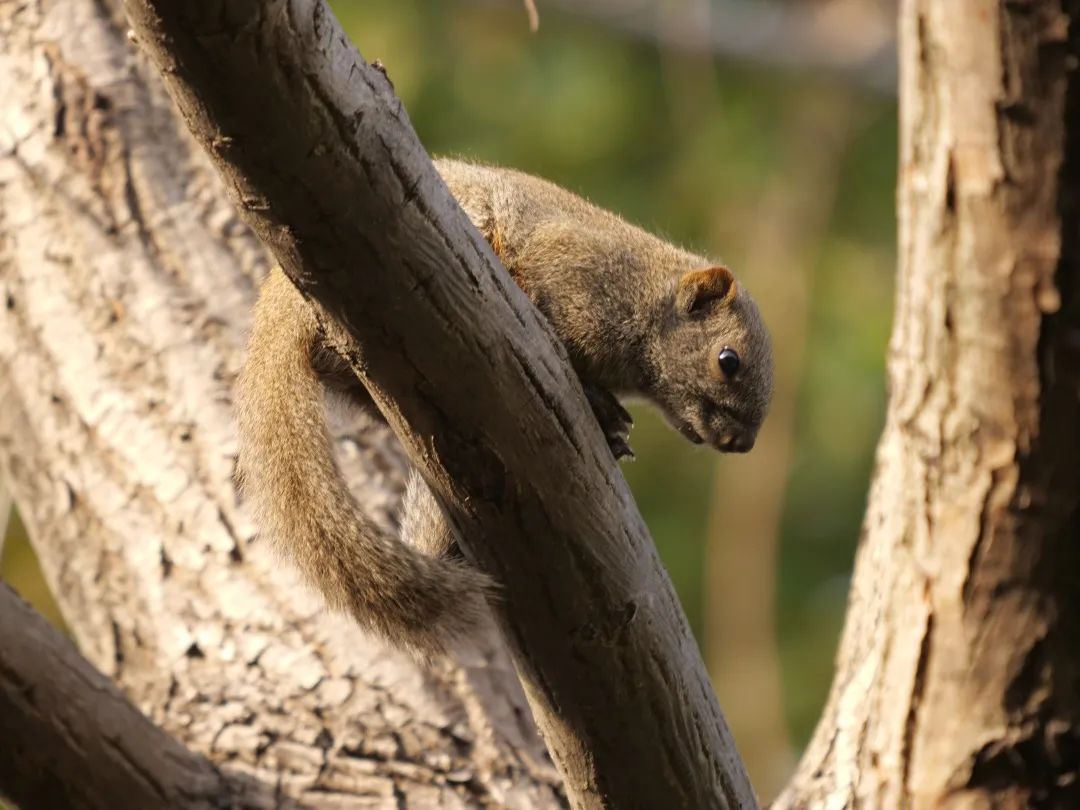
point(958, 681)
point(471, 378)
point(125, 286)
point(71, 739)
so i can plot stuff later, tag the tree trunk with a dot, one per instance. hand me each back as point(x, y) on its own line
point(126, 282)
point(958, 680)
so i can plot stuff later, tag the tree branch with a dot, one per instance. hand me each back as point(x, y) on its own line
point(324, 165)
point(71, 739)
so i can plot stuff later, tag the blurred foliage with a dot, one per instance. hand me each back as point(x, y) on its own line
point(19, 566)
point(683, 145)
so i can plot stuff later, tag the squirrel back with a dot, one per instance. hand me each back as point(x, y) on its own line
point(637, 316)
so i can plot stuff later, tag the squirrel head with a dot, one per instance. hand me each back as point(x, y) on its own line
point(712, 361)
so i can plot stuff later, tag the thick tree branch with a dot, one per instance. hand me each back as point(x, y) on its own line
point(71, 739)
point(324, 165)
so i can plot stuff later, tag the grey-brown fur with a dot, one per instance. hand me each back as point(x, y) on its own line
point(638, 316)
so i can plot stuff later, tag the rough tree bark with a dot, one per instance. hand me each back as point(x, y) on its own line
point(125, 287)
point(71, 739)
point(958, 681)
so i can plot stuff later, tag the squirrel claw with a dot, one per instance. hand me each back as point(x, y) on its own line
point(620, 448)
point(614, 420)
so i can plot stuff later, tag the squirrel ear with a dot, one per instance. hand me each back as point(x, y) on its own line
point(699, 289)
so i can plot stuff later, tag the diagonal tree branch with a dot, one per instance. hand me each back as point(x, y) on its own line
point(324, 165)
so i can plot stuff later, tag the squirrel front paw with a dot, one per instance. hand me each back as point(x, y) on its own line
point(614, 420)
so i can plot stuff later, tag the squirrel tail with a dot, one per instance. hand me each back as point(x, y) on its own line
point(287, 471)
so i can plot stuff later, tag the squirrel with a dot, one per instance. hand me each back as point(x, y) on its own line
point(637, 316)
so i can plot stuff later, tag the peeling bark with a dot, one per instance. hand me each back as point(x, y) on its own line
point(958, 678)
point(72, 740)
point(126, 280)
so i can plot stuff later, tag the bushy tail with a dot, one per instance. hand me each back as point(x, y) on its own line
point(288, 473)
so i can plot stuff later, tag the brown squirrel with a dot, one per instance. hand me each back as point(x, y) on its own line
point(637, 315)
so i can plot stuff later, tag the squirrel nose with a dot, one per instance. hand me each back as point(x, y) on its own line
point(736, 442)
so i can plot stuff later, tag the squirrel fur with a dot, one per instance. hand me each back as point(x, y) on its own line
point(638, 317)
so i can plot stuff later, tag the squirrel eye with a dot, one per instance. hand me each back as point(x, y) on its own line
point(729, 361)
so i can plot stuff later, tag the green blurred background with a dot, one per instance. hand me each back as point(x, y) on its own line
point(787, 175)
